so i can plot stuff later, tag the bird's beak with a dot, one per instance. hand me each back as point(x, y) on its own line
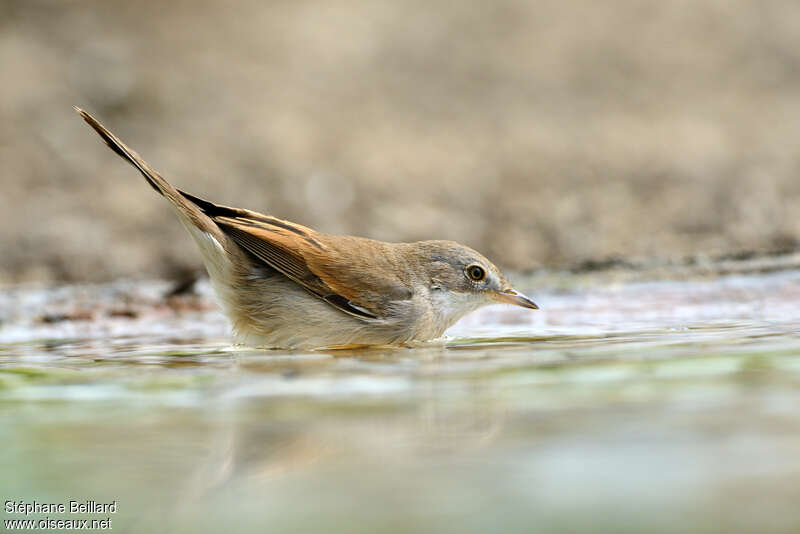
point(510, 296)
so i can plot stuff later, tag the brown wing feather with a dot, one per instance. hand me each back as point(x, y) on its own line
point(281, 245)
point(365, 271)
point(324, 265)
point(267, 245)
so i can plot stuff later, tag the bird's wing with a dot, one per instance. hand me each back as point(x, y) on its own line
point(299, 253)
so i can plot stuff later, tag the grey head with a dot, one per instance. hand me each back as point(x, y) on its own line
point(460, 280)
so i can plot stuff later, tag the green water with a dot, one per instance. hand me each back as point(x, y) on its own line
point(666, 406)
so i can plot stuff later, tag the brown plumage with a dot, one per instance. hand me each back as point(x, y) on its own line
point(285, 285)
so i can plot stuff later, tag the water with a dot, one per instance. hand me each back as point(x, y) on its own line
point(659, 406)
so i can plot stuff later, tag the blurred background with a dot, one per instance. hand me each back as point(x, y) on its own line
point(540, 133)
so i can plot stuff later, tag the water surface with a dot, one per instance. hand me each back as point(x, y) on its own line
point(659, 406)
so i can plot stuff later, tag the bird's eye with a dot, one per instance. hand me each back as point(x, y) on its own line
point(476, 273)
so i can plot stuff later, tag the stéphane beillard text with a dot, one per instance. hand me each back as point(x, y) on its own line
point(72, 507)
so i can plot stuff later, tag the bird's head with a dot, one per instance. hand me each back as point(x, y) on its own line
point(460, 280)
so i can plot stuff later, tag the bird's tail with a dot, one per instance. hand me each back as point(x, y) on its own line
point(188, 210)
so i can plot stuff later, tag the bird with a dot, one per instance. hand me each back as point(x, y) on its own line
point(285, 286)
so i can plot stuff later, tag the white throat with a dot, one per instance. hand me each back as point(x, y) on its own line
point(450, 306)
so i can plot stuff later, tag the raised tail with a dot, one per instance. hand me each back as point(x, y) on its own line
point(188, 210)
point(153, 178)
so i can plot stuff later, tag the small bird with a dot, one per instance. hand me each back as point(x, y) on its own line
point(283, 285)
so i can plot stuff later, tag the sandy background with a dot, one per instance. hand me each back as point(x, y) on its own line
point(540, 133)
